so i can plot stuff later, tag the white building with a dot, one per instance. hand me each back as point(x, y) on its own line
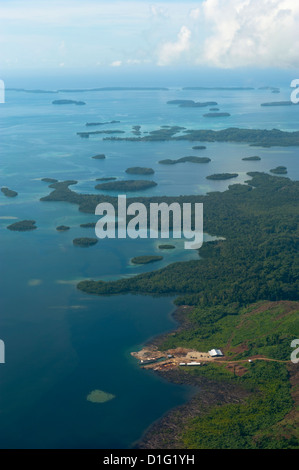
point(215, 353)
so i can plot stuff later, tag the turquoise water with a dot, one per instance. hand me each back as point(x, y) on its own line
point(62, 344)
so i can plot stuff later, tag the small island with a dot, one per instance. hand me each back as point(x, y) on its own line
point(85, 242)
point(279, 103)
point(60, 102)
point(215, 115)
point(62, 228)
point(91, 124)
point(127, 185)
point(192, 104)
point(166, 247)
point(199, 147)
point(146, 259)
point(108, 131)
point(222, 176)
point(138, 170)
point(101, 156)
point(49, 180)
point(23, 226)
point(251, 159)
point(168, 161)
point(8, 192)
point(214, 109)
point(279, 170)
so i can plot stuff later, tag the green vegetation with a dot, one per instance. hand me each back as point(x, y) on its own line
point(166, 247)
point(279, 170)
point(279, 103)
point(49, 180)
point(138, 170)
point(215, 115)
point(8, 192)
point(254, 137)
point(88, 225)
point(146, 259)
point(85, 242)
point(184, 160)
point(222, 176)
point(192, 104)
point(251, 159)
point(23, 226)
point(127, 185)
point(62, 228)
point(99, 396)
point(60, 102)
point(100, 156)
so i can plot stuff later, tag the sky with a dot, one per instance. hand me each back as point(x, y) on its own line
point(69, 34)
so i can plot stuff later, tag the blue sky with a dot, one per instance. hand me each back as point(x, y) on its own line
point(70, 34)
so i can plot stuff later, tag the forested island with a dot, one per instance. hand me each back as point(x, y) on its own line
point(49, 180)
point(88, 225)
point(146, 259)
point(85, 242)
point(8, 192)
point(279, 170)
point(62, 228)
point(192, 104)
point(111, 178)
point(191, 159)
point(92, 124)
point(138, 170)
point(254, 137)
point(127, 185)
point(215, 115)
point(222, 176)
point(166, 247)
point(62, 102)
point(100, 156)
point(279, 103)
point(108, 131)
point(199, 147)
point(251, 159)
point(23, 226)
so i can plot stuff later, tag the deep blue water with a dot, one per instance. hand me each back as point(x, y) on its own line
point(62, 344)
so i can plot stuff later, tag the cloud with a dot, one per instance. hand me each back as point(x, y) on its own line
point(261, 33)
point(171, 52)
point(116, 63)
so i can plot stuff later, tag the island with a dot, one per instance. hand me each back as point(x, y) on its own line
point(251, 159)
point(138, 170)
point(280, 103)
point(108, 131)
point(168, 161)
point(215, 115)
point(23, 226)
point(192, 104)
point(214, 109)
point(126, 185)
point(254, 137)
point(85, 242)
point(279, 170)
point(49, 180)
point(199, 147)
point(91, 124)
point(166, 247)
point(100, 156)
point(61, 102)
point(62, 228)
point(222, 176)
point(8, 192)
point(146, 259)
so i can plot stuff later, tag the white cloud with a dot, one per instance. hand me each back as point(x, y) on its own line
point(251, 33)
point(116, 63)
point(171, 52)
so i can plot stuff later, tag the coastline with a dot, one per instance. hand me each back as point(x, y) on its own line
point(164, 433)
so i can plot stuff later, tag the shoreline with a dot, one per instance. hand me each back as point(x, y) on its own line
point(164, 432)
